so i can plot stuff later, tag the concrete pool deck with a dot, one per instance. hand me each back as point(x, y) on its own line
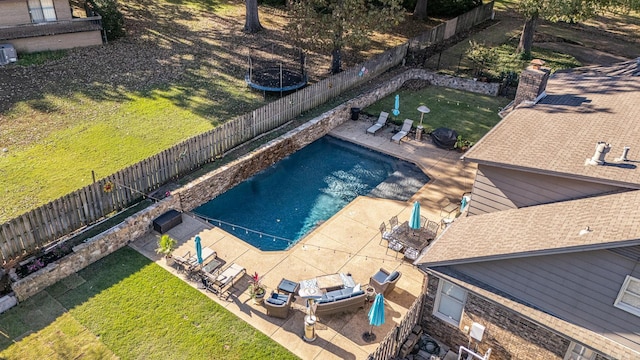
point(349, 242)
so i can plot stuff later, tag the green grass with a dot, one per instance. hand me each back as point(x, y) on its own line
point(471, 115)
point(127, 306)
point(81, 134)
point(40, 57)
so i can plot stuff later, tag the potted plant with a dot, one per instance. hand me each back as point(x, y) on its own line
point(461, 144)
point(166, 245)
point(256, 289)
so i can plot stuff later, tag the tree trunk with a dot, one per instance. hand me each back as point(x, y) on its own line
point(336, 61)
point(420, 12)
point(526, 38)
point(252, 22)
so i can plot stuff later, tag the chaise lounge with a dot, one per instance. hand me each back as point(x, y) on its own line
point(384, 282)
point(220, 283)
point(382, 121)
point(406, 127)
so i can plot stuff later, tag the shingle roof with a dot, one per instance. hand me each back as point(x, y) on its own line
point(556, 135)
point(613, 220)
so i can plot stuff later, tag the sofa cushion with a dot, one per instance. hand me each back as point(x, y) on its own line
point(334, 293)
point(394, 275)
point(341, 297)
point(275, 301)
point(380, 277)
point(324, 300)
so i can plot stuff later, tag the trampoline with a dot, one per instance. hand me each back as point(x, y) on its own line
point(277, 73)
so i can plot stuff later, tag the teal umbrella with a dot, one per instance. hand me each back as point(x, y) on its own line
point(376, 317)
point(396, 109)
point(199, 249)
point(414, 222)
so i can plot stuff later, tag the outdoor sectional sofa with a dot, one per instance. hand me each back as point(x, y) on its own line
point(340, 300)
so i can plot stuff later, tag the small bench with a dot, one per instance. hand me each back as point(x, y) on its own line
point(167, 221)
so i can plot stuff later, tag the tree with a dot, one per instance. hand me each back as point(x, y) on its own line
point(332, 25)
point(252, 22)
point(420, 12)
point(563, 10)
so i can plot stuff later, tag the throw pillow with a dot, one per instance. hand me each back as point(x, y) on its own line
point(356, 288)
point(394, 275)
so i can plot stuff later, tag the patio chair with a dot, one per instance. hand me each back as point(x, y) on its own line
point(382, 121)
point(278, 305)
point(189, 263)
point(395, 246)
point(393, 223)
point(406, 127)
point(431, 229)
point(384, 282)
point(384, 234)
point(220, 283)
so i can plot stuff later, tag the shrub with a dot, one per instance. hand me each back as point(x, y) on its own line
point(112, 18)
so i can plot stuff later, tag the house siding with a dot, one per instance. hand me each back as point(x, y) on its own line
point(497, 189)
point(57, 42)
point(14, 12)
point(579, 288)
point(507, 334)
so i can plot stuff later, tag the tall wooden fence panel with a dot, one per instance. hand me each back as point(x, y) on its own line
point(39, 227)
point(390, 345)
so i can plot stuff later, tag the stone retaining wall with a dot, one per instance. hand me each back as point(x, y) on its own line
point(93, 250)
point(220, 180)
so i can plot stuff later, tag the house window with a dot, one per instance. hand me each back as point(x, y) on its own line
point(629, 296)
point(579, 352)
point(41, 10)
point(449, 302)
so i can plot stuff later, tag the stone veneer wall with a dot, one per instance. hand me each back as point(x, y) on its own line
point(220, 180)
point(93, 250)
point(509, 335)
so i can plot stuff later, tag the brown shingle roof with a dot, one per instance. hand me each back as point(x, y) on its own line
point(537, 230)
point(559, 133)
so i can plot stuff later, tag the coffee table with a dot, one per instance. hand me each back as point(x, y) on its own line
point(330, 282)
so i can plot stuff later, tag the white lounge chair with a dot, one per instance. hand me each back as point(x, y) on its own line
point(219, 283)
point(406, 127)
point(382, 121)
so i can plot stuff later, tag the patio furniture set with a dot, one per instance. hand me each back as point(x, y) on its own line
point(331, 293)
point(403, 238)
point(382, 122)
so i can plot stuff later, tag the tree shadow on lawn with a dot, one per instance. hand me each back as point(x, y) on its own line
point(39, 311)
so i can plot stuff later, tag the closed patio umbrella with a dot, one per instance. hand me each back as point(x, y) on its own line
point(199, 249)
point(396, 109)
point(376, 317)
point(414, 221)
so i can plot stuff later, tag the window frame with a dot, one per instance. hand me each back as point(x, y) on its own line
point(588, 355)
point(623, 291)
point(439, 295)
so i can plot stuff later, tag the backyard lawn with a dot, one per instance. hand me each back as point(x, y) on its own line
point(470, 115)
point(125, 306)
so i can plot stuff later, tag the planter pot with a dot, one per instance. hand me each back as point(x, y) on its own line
point(258, 299)
point(169, 261)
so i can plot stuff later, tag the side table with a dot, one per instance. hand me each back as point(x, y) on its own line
point(370, 293)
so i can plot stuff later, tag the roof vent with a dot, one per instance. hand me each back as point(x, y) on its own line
point(602, 149)
point(625, 152)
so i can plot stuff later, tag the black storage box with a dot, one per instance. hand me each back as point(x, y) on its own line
point(167, 221)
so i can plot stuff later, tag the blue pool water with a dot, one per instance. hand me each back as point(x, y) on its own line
point(289, 199)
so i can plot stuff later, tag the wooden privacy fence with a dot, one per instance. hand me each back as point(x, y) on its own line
point(454, 26)
point(390, 345)
point(39, 227)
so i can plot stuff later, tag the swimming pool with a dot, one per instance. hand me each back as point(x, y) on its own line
point(280, 205)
